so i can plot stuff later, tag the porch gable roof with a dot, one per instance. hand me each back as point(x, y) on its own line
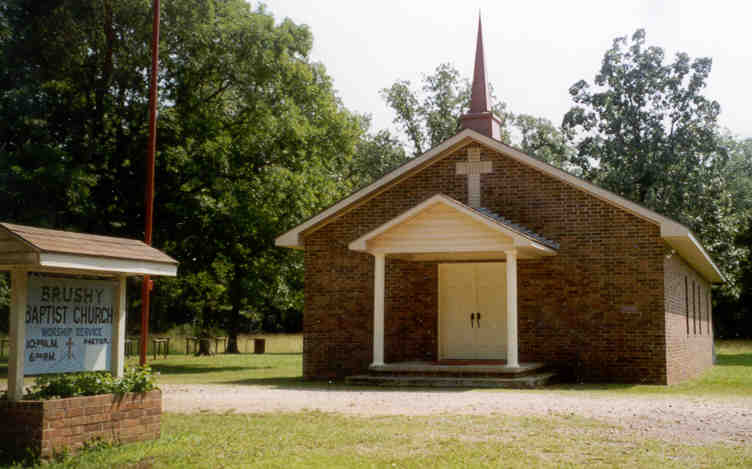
point(443, 223)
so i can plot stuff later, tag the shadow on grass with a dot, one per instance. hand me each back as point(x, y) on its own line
point(737, 359)
point(218, 356)
point(191, 369)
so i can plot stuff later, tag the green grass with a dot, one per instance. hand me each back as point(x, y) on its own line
point(281, 364)
point(314, 439)
point(269, 368)
point(731, 376)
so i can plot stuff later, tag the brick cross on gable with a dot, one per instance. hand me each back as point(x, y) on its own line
point(473, 168)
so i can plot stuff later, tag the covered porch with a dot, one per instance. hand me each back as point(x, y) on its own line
point(477, 253)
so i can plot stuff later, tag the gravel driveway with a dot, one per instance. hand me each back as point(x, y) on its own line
point(680, 419)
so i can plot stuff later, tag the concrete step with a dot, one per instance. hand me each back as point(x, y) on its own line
point(479, 369)
point(537, 380)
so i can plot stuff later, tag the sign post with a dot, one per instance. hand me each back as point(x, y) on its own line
point(117, 361)
point(18, 297)
point(68, 299)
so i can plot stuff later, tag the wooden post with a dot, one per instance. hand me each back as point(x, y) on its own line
point(512, 359)
point(117, 359)
point(378, 309)
point(19, 282)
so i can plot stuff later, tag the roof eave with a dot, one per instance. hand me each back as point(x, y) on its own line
point(669, 228)
point(683, 241)
point(520, 239)
point(291, 238)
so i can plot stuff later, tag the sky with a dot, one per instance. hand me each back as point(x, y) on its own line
point(535, 50)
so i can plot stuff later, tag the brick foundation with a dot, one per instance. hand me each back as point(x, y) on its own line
point(596, 309)
point(54, 425)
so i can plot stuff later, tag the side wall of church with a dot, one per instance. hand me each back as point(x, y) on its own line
point(689, 321)
point(595, 309)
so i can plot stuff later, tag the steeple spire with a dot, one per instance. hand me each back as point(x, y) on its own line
point(480, 118)
point(479, 98)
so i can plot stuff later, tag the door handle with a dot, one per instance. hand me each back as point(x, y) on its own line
point(472, 319)
point(477, 318)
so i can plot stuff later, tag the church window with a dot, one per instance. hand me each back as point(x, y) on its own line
point(686, 301)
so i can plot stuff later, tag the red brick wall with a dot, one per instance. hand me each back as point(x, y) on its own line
point(49, 426)
point(596, 308)
point(689, 336)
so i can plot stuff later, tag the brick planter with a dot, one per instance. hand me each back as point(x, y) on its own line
point(54, 425)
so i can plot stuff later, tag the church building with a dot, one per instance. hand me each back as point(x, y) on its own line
point(475, 258)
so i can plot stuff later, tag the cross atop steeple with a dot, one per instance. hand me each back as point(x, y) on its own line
point(480, 118)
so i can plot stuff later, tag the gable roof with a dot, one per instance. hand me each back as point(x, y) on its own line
point(55, 249)
point(676, 235)
point(521, 235)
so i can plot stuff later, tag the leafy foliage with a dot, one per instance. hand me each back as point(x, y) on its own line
point(251, 140)
point(432, 115)
point(540, 138)
point(59, 386)
point(375, 155)
point(646, 132)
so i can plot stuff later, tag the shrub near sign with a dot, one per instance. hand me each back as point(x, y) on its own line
point(68, 325)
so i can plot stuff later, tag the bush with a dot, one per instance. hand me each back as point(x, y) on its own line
point(91, 383)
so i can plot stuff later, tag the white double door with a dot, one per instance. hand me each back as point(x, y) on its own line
point(472, 311)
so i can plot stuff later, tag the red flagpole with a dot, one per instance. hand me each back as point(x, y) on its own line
point(147, 283)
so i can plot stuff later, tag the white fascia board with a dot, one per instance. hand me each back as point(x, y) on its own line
point(707, 258)
point(106, 265)
point(599, 192)
point(492, 247)
point(360, 244)
point(669, 228)
point(291, 239)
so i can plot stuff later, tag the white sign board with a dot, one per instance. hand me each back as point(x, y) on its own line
point(68, 325)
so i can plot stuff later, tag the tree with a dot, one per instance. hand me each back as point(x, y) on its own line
point(251, 140)
point(375, 155)
point(739, 174)
point(646, 132)
point(732, 315)
point(539, 138)
point(433, 115)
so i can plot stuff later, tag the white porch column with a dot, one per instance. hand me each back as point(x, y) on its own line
point(117, 359)
point(512, 359)
point(19, 284)
point(378, 309)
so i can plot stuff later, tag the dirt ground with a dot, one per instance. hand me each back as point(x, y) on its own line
point(679, 419)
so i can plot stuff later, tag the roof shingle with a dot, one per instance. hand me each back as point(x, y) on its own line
point(66, 242)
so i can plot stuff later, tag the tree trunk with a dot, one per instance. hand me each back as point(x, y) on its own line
point(204, 346)
point(233, 331)
point(233, 325)
point(232, 343)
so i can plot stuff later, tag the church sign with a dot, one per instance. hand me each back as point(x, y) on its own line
point(68, 325)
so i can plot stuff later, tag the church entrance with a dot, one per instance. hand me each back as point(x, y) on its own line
point(472, 311)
